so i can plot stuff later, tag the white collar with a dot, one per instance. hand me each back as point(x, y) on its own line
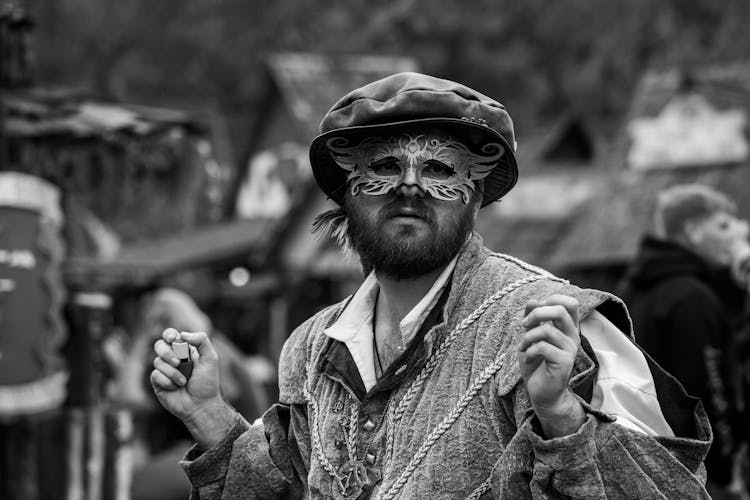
point(354, 325)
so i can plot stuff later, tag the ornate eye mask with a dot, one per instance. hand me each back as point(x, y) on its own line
point(441, 166)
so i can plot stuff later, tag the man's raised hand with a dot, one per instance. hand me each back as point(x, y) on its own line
point(196, 401)
point(547, 352)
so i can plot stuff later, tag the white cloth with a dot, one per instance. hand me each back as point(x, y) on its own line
point(354, 326)
point(624, 386)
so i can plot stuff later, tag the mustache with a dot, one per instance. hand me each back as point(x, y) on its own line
point(413, 206)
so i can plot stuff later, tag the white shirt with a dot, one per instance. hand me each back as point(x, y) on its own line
point(354, 326)
point(624, 387)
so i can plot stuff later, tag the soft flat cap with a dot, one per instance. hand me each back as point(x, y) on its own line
point(407, 101)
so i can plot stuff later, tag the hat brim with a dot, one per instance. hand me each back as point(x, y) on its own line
point(332, 179)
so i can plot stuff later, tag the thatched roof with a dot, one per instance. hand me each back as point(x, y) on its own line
point(311, 83)
point(38, 112)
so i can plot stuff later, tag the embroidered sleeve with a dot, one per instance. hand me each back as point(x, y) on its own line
point(252, 461)
point(601, 460)
point(605, 459)
point(207, 469)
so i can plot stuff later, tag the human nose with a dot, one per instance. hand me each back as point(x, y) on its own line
point(410, 184)
point(410, 190)
point(738, 228)
point(743, 228)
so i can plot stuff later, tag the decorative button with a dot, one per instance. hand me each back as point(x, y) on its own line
point(369, 425)
point(474, 119)
point(338, 406)
point(370, 459)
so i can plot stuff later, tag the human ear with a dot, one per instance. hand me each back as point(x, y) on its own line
point(692, 232)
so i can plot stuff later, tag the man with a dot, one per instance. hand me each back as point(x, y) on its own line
point(452, 372)
point(686, 304)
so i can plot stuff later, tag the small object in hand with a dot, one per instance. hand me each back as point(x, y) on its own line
point(182, 351)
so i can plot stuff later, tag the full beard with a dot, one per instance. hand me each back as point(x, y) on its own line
point(402, 256)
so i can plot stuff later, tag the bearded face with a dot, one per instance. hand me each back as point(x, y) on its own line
point(410, 213)
point(387, 241)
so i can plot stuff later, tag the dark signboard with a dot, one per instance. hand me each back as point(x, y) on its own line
point(32, 372)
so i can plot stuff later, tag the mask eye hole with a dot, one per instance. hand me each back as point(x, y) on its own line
point(434, 169)
point(385, 167)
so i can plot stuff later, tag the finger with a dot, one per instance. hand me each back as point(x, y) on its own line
point(570, 303)
point(161, 381)
point(170, 335)
point(165, 352)
point(547, 333)
point(544, 351)
point(170, 372)
point(530, 306)
point(557, 314)
point(201, 343)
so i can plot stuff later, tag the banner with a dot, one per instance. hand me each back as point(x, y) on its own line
point(32, 371)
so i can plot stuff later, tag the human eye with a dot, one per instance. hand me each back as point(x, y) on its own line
point(434, 169)
point(724, 222)
point(385, 167)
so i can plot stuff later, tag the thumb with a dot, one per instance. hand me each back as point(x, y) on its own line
point(201, 343)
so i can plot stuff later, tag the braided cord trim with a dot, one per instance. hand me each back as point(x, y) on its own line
point(473, 390)
point(528, 267)
point(317, 442)
point(446, 424)
point(481, 489)
point(352, 435)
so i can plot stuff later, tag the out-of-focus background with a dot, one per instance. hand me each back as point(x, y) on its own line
point(153, 169)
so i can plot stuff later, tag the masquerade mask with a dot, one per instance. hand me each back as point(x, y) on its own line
point(441, 166)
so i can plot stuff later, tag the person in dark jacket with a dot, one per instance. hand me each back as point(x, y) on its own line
point(686, 303)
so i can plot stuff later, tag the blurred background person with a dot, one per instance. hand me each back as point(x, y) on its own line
point(687, 293)
point(160, 439)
